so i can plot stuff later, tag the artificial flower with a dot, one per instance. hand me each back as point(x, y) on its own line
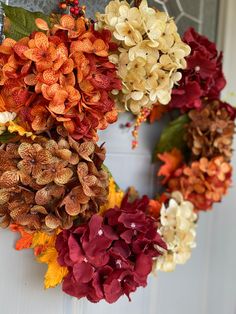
point(210, 131)
point(178, 229)
point(203, 182)
point(111, 255)
point(203, 76)
point(43, 184)
point(61, 77)
point(7, 117)
point(150, 54)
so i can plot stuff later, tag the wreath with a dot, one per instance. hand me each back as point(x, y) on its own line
point(64, 78)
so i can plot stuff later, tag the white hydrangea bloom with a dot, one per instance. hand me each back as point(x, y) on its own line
point(4, 118)
point(178, 229)
point(7, 116)
point(150, 54)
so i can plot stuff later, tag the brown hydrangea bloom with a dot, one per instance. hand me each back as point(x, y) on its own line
point(210, 132)
point(49, 183)
point(204, 182)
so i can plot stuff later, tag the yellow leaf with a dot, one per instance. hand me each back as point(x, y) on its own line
point(55, 272)
point(54, 275)
point(15, 128)
point(48, 256)
point(42, 239)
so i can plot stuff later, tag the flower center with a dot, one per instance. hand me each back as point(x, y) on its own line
point(118, 263)
point(197, 68)
point(133, 225)
point(100, 232)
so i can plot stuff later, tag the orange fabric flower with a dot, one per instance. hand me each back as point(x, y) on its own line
point(204, 182)
point(62, 76)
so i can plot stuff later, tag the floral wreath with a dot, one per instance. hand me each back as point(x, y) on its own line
point(65, 77)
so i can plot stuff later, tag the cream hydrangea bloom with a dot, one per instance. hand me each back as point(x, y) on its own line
point(178, 229)
point(150, 53)
point(5, 117)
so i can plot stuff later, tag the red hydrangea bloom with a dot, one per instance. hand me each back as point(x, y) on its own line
point(111, 255)
point(203, 77)
point(231, 110)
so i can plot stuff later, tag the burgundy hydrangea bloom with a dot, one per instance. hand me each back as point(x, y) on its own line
point(111, 255)
point(231, 110)
point(203, 77)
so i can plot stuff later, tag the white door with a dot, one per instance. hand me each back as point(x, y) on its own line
point(205, 285)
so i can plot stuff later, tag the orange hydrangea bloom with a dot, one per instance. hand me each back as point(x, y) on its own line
point(62, 76)
point(203, 182)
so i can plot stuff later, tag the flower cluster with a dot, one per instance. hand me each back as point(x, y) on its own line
point(203, 76)
point(204, 182)
point(178, 224)
point(111, 255)
point(211, 130)
point(61, 77)
point(46, 184)
point(150, 53)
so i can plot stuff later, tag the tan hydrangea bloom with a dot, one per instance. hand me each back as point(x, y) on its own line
point(178, 229)
point(47, 183)
point(150, 53)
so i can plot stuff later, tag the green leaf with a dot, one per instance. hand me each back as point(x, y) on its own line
point(21, 23)
point(6, 137)
point(172, 136)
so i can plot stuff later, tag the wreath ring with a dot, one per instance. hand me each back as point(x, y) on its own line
point(65, 77)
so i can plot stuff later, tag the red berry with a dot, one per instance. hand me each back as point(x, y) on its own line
point(63, 6)
point(72, 10)
point(76, 2)
point(76, 11)
point(128, 124)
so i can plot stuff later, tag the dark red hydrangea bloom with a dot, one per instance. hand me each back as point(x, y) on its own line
point(111, 255)
point(203, 77)
point(231, 110)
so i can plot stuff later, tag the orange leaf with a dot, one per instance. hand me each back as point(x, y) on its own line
point(25, 240)
point(157, 112)
point(172, 161)
point(154, 208)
